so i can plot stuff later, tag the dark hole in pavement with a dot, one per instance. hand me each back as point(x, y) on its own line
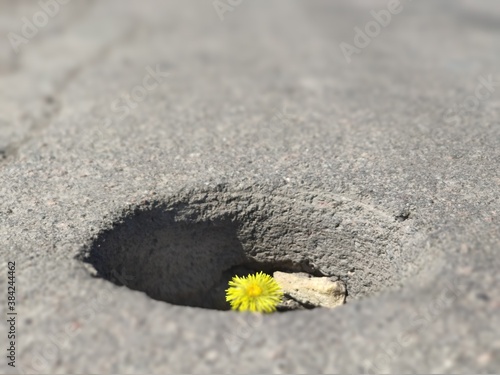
point(185, 251)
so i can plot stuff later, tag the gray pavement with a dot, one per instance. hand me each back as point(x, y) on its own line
point(163, 145)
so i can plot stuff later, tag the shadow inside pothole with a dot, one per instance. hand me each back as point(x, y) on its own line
point(178, 262)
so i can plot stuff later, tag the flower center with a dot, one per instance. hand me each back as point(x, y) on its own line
point(254, 290)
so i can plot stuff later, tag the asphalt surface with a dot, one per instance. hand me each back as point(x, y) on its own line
point(156, 146)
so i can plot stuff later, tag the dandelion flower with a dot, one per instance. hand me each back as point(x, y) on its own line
point(256, 293)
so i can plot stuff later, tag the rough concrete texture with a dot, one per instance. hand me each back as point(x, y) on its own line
point(252, 143)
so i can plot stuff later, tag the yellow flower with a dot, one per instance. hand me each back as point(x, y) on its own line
point(256, 293)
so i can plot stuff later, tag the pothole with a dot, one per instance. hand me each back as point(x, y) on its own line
point(185, 250)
